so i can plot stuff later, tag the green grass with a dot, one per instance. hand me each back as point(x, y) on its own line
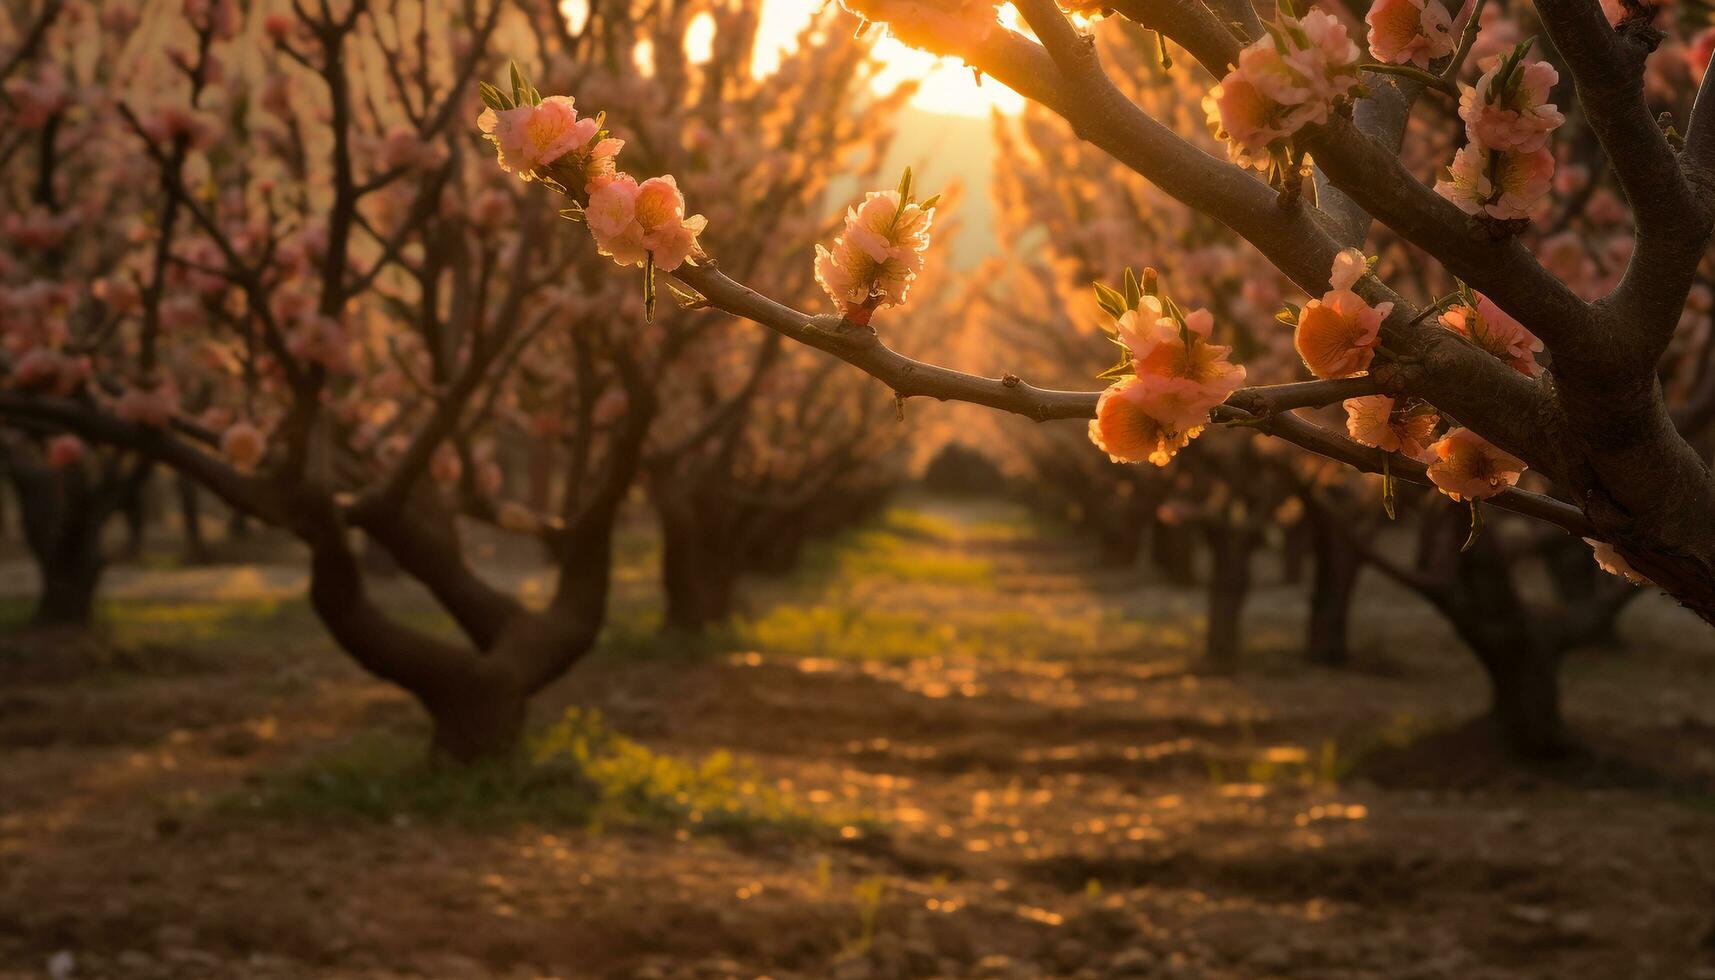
point(899, 547)
point(154, 620)
point(576, 771)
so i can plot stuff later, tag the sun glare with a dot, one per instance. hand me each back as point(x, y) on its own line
point(943, 84)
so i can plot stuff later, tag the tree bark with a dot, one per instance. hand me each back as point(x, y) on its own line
point(62, 517)
point(1172, 550)
point(1335, 580)
point(1518, 651)
point(697, 571)
point(190, 514)
point(1229, 585)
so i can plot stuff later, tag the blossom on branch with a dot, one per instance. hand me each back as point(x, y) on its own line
point(1506, 167)
point(1125, 430)
point(64, 451)
point(1494, 330)
point(632, 222)
point(1288, 80)
point(1612, 562)
point(879, 254)
point(1169, 380)
point(1469, 467)
point(1508, 107)
point(1336, 335)
point(1396, 426)
point(1410, 32)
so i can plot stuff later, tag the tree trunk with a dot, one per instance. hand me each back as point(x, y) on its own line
point(1172, 549)
point(1229, 585)
point(1524, 680)
point(696, 571)
point(134, 504)
point(1515, 648)
point(190, 514)
point(1336, 578)
point(484, 722)
point(62, 519)
point(70, 577)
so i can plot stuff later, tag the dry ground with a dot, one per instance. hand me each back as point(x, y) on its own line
point(1051, 790)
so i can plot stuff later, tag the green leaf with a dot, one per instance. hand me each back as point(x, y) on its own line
point(1133, 293)
point(1110, 300)
point(493, 98)
point(905, 186)
point(929, 205)
point(520, 88)
point(1289, 314)
point(573, 213)
point(1389, 491)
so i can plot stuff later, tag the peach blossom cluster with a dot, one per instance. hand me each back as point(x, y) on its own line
point(1410, 32)
point(1178, 378)
point(1290, 79)
point(531, 138)
point(1491, 328)
point(1336, 335)
point(633, 221)
point(1469, 467)
point(1392, 425)
point(875, 260)
point(1506, 167)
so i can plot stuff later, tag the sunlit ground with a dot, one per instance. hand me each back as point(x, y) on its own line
point(940, 742)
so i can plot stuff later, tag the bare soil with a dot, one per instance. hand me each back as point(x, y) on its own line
point(1089, 805)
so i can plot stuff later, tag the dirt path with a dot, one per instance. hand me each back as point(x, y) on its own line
point(1061, 795)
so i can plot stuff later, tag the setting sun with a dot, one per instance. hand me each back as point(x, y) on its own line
point(944, 84)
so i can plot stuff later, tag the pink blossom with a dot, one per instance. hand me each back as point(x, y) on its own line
point(1284, 82)
point(1181, 375)
point(1494, 330)
point(243, 445)
point(152, 407)
point(1468, 467)
point(64, 451)
point(1519, 181)
point(1511, 112)
point(877, 257)
point(1396, 427)
point(1614, 563)
point(633, 221)
point(1413, 32)
point(1124, 429)
point(534, 136)
point(1350, 265)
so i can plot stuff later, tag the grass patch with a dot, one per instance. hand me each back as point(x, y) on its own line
point(899, 547)
point(576, 771)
